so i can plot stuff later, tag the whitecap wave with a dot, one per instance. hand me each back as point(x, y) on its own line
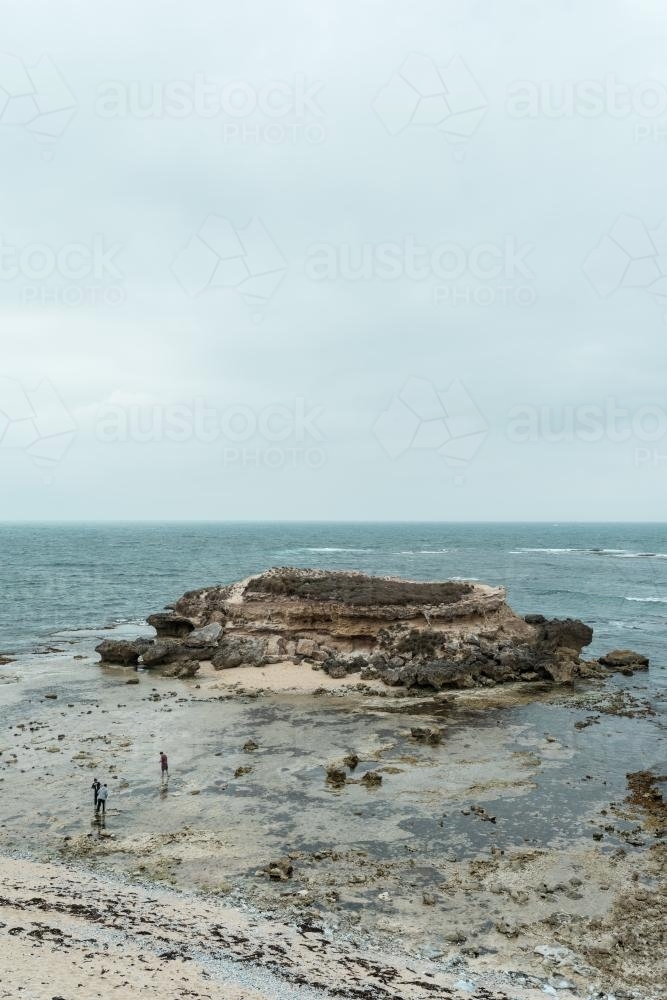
point(331, 548)
point(611, 553)
point(518, 552)
point(628, 554)
point(648, 600)
point(421, 552)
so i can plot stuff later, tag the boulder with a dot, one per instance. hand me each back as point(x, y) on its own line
point(344, 664)
point(181, 668)
point(564, 633)
point(619, 658)
point(306, 647)
point(169, 624)
point(123, 651)
point(233, 651)
point(335, 668)
point(561, 669)
point(164, 651)
point(202, 637)
point(275, 646)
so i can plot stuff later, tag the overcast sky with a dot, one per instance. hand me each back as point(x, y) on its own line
point(333, 260)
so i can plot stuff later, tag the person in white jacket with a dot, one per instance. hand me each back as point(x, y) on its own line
point(102, 796)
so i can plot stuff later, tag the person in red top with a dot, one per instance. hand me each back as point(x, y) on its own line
point(164, 764)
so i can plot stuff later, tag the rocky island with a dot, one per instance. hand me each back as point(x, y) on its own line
point(404, 633)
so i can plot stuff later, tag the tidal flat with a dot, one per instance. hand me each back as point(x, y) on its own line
point(510, 856)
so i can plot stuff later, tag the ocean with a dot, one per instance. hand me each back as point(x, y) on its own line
point(64, 577)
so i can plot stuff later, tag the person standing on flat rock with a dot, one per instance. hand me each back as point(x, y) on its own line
point(102, 796)
point(96, 785)
point(164, 765)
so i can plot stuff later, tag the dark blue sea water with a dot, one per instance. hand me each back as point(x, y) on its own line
point(613, 576)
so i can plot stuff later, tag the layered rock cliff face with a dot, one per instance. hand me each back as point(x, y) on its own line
point(445, 634)
point(431, 635)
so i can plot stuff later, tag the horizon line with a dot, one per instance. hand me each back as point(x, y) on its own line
point(281, 521)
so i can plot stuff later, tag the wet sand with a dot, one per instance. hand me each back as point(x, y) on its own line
point(473, 859)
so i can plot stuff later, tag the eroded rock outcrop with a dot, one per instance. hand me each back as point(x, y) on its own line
point(122, 651)
point(170, 625)
point(435, 635)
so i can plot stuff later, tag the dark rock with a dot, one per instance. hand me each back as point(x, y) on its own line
point(335, 668)
point(181, 668)
point(424, 734)
point(437, 674)
point(392, 677)
point(534, 619)
point(123, 651)
point(619, 658)
point(351, 760)
point(336, 775)
point(564, 633)
point(169, 624)
point(250, 745)
point(164, 651)
point(371, 779)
